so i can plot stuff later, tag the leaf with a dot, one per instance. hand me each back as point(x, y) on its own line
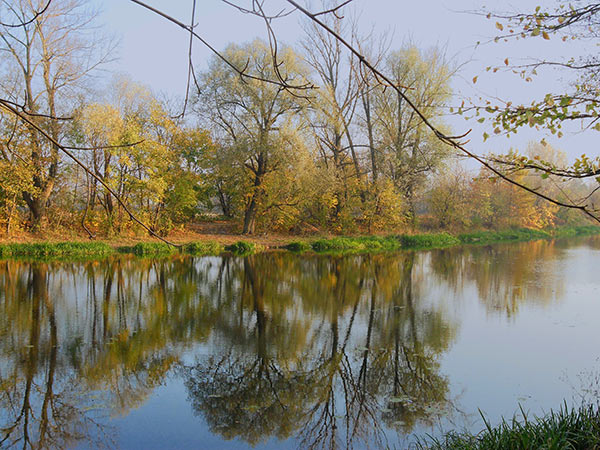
point(546, 36)
point(474, 80)
point(535, 32)
point(499, 26)
point(485, 137)
point(506, 61)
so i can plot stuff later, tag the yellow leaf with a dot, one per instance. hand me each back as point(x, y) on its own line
point(474, 80)
point(499, 26)
point(545, 36)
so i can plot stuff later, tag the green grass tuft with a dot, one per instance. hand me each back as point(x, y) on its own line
point(203, 248)
point(564, 429)
point(241, 248)
point(149, 249)
point(298, 246)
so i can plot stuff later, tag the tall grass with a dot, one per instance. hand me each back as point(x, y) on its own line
point(564, 429)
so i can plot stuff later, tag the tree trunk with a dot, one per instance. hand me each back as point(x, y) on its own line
point(252, 207)
point(250, 216)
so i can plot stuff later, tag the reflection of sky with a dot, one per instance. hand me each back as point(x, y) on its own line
point(534, 357)
point(154, 52)
point(495, 360)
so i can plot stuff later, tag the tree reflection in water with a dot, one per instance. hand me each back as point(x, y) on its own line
point(367, 358)
point(331, 351)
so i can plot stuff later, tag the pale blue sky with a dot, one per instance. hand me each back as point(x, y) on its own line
point(154, 51)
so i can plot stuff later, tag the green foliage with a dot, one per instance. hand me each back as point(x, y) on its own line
point(242, 248)
point(203, 248)
point(437, 240)
point(149, 249)
point(298, 246)
point(516, 234)
point(576, 231)
point(566, 428)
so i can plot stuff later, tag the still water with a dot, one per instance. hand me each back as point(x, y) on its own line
point(284, 351)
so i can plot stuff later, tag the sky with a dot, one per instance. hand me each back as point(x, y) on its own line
point(153, 51)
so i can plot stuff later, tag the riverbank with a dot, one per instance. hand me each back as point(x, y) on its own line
point(219, 244)
point(563, 429)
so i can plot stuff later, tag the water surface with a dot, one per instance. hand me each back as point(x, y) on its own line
point(283, 351)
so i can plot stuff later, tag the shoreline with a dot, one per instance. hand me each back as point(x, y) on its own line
point(219, 244)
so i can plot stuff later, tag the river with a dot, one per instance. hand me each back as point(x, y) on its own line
point(278, 350)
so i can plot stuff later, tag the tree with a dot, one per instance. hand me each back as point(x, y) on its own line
point(406, 151)
point(46, 57)
point(256, 120)
point(334, 108)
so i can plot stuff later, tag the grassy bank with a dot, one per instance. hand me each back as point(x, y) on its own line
point(56, 250)
point(433, 240)
point(565, 429)
point(96, 250)
point(359, 244)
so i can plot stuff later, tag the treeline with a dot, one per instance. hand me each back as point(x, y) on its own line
point(327, 148)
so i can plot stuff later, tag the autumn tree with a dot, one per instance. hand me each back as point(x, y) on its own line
point(407, 152)
point(46, 57)
point(254, 119)
point(334, 110)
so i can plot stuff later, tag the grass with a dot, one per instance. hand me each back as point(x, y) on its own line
point(242, 248)
point(586, 230)
point(376, 243)
point(56, 250)
point(360, 244)
point(298, 246)
point(515, 234)
point(432, 240)
point(419, 241)
point(149, 249)
point(202, 248)
point(564, 429)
